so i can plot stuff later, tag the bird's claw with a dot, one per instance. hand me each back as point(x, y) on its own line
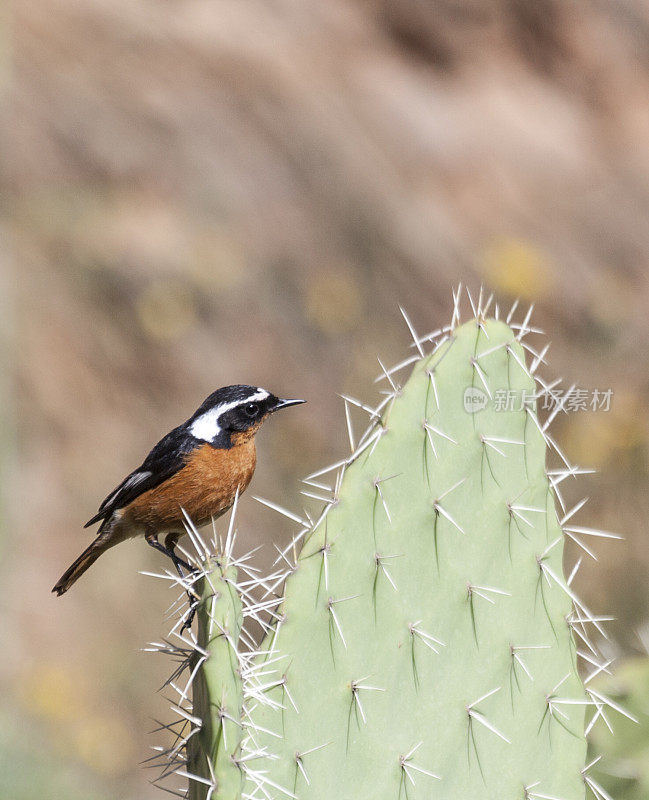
point(187, 623)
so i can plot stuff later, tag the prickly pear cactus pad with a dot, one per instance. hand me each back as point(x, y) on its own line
point(424, 646)
point(214, 747)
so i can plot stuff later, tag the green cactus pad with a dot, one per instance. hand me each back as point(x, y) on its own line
point(424, 648)
point(213, 749)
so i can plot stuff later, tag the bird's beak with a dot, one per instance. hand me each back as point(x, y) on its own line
point(286, 403)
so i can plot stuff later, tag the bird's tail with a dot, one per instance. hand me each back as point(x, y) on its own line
point(85, 560)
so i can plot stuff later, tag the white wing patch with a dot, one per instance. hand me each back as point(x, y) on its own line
point(207, 428)
point(136, 478)
point(129, 483)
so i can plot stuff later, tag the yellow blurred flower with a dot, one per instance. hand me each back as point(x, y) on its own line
point(51, 691)
point(517, 268)
point(594, 438)
point(77, 727)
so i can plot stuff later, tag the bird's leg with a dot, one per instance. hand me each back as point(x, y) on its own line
point(152, 539)
point(169, 549)
point(171, 540)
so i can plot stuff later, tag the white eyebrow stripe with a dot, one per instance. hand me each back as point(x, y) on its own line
point(207, 428)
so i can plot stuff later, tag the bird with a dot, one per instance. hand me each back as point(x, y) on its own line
point(197, 469)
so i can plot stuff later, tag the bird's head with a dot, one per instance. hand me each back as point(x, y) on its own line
point(233, 412)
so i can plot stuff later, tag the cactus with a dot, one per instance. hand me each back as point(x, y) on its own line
point(424, 643)
point(214, 747)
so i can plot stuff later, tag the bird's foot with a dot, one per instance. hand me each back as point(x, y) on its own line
point(187, 622)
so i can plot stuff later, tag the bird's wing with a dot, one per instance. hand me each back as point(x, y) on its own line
point(166, 458)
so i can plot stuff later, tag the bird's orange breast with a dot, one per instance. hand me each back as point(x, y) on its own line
point(205, 487)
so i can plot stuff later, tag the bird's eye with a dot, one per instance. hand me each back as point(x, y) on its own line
point(251, 409)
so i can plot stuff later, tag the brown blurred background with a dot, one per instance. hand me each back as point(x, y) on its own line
point(203, 192)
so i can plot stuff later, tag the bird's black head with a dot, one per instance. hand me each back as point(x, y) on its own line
point(232, 410)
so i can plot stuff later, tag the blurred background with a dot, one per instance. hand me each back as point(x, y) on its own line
point(204, 192)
